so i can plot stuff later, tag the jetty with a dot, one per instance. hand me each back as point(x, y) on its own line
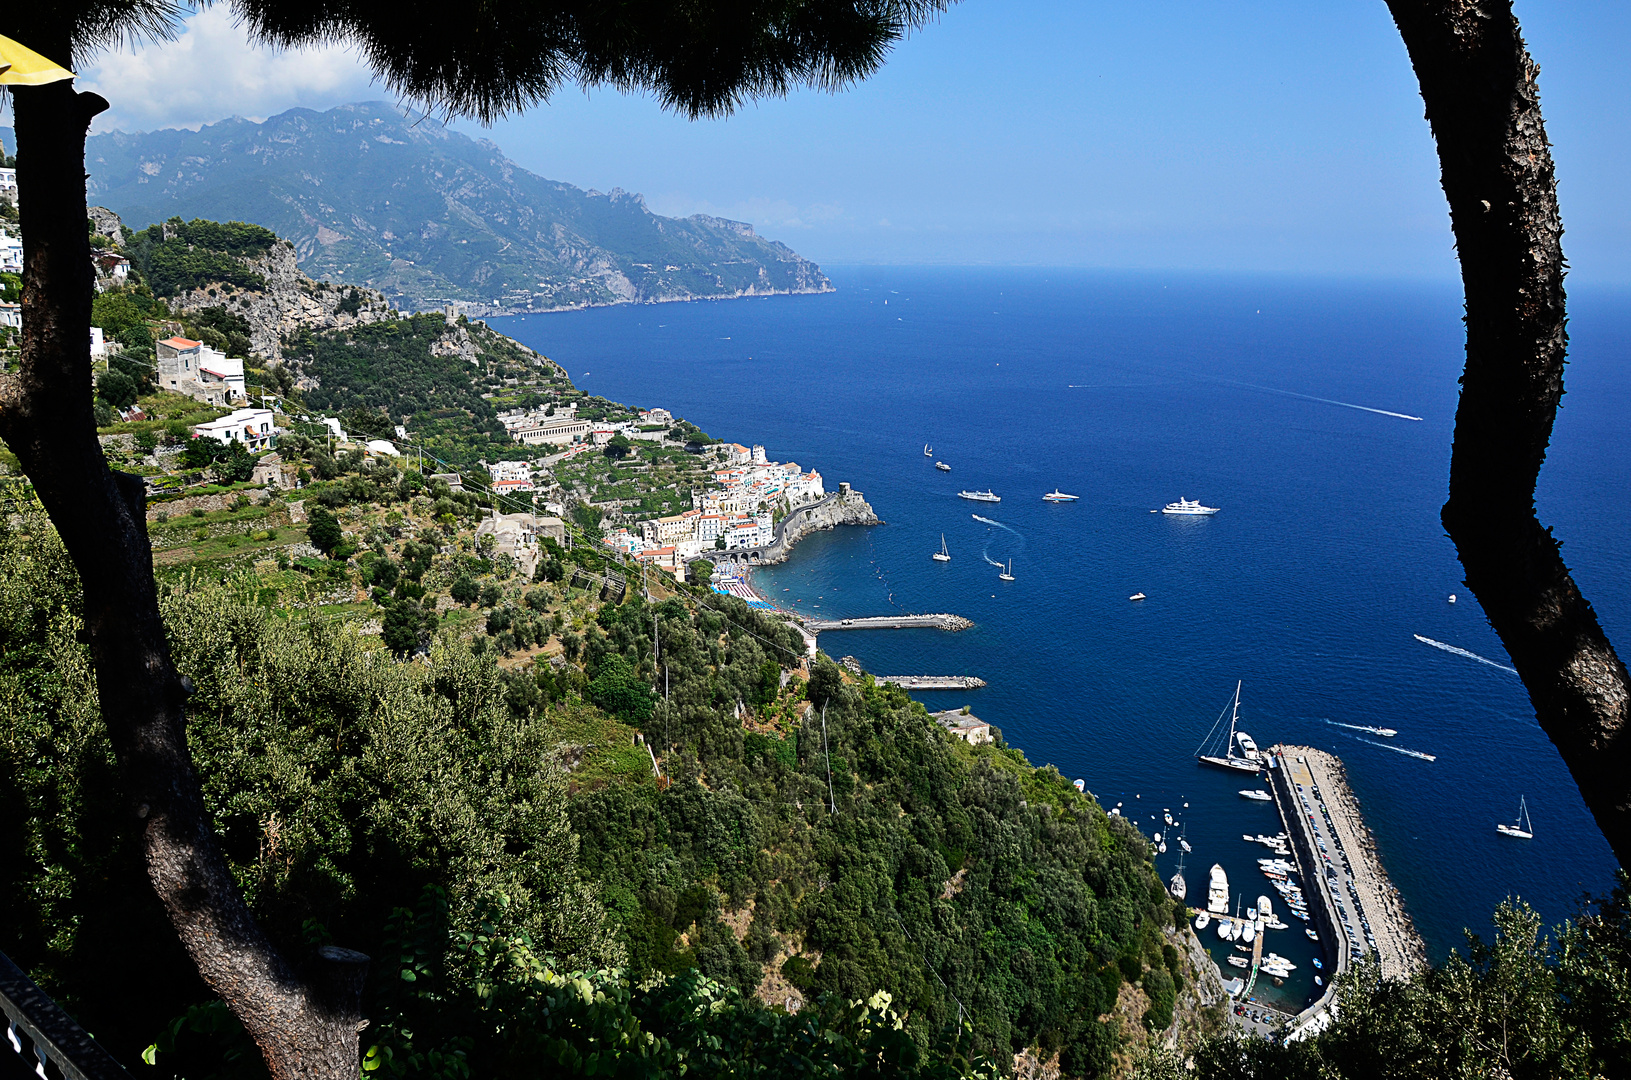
point(890, 622)
point(933, 682)
point(1355, 908)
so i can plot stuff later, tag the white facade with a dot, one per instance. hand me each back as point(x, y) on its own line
point(656, 416)
point(561, 430)
point(11, 253)
point(8, 185)
point(252, 427)
point(11, 315)
point(99, 345)
point(193, 368)
point(510, 470)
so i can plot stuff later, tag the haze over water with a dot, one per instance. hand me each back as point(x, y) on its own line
point(1130, 391)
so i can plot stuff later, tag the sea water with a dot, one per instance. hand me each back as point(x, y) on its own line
point(1308, 587)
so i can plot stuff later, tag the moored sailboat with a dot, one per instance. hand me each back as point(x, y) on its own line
point(1239, 750)
point(1523, 828)
point(942, 555)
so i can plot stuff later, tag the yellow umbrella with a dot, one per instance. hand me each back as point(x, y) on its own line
point(22, 66)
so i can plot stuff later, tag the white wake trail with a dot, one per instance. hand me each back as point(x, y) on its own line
point(1396, 749)
point(1463, 652)
point(1326, 401)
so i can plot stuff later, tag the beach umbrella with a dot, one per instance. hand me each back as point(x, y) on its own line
point(22, 66)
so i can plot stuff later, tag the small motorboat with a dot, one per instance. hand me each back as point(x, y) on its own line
point(1256, 795)
point(1202, 921)
point(1057, 496)
point(1452, 598)
point(1239, 961)
point(1309, 930)
point(942, 466)
point(1318, 981)
point(1317, 962)
point(1138, 596)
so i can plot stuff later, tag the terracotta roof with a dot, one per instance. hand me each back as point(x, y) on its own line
point(179, 342)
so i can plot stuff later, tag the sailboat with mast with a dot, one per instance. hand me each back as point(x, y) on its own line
point(1177, 887)
point(1008, 571)
point(1237, 750)
point(1523, 829)
point(942, 555)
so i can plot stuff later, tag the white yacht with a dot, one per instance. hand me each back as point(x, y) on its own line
point(1523, 829)
point(1189, 508)
point(1256, 795)
point(1217, 891)
point(1007, 572)
point(1239, 751)
point(1239, 961)
point(980, 496)
point(1265, 907)
point(942, 466)
point(1248, 931)
point(942, 555)
point(1202, 921)
point(1059, 496)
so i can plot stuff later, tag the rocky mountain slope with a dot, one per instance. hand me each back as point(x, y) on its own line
point(426, 215)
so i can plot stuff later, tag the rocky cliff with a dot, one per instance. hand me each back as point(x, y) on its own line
point(843, 507)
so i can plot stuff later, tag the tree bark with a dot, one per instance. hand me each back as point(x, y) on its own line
point(1479, 85)
point(304, 1028)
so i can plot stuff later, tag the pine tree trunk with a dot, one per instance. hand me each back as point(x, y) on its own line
point(1479, 85)
point(305, 1026)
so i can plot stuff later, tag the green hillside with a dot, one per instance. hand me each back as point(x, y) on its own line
point(425, 214)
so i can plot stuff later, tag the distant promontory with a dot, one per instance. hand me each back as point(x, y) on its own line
point(428, 216)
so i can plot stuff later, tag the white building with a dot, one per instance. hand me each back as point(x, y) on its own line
point(560, 430)
point(193, 368)
point(99, 345)
point(8, 185)
point(656, 416)
point(252, 427)
point(11, 253)
point(510, 470)
point(11, 315)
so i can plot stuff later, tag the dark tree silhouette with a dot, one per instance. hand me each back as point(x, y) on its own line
point(700, 58)
point(1479, 84)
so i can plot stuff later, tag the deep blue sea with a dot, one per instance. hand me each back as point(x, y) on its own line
point(1308, 586)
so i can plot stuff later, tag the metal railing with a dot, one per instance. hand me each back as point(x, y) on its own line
point(47, 1041)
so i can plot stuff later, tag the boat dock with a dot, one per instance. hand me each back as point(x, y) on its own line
point(1355, 909)
point(933, 682)
point(890, 622)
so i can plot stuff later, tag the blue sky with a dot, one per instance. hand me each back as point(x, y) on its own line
point(1187, 135)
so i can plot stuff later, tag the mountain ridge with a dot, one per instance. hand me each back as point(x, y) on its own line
point(428, 216)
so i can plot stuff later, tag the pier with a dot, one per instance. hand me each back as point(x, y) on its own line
point(1355, 909)
point(933, 682)
point(890, 622)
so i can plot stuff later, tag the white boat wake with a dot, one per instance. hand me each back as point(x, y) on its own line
point(1326, 401)
point(1463, 652)
point(1396, 749)
point(998, 524)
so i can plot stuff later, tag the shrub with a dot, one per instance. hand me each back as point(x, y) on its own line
point(323, 529)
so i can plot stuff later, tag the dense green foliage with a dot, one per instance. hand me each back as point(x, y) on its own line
point(390, 370)
point(1524, 1007)
point(343, 784)
point(949, 875)
point(198, 253)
